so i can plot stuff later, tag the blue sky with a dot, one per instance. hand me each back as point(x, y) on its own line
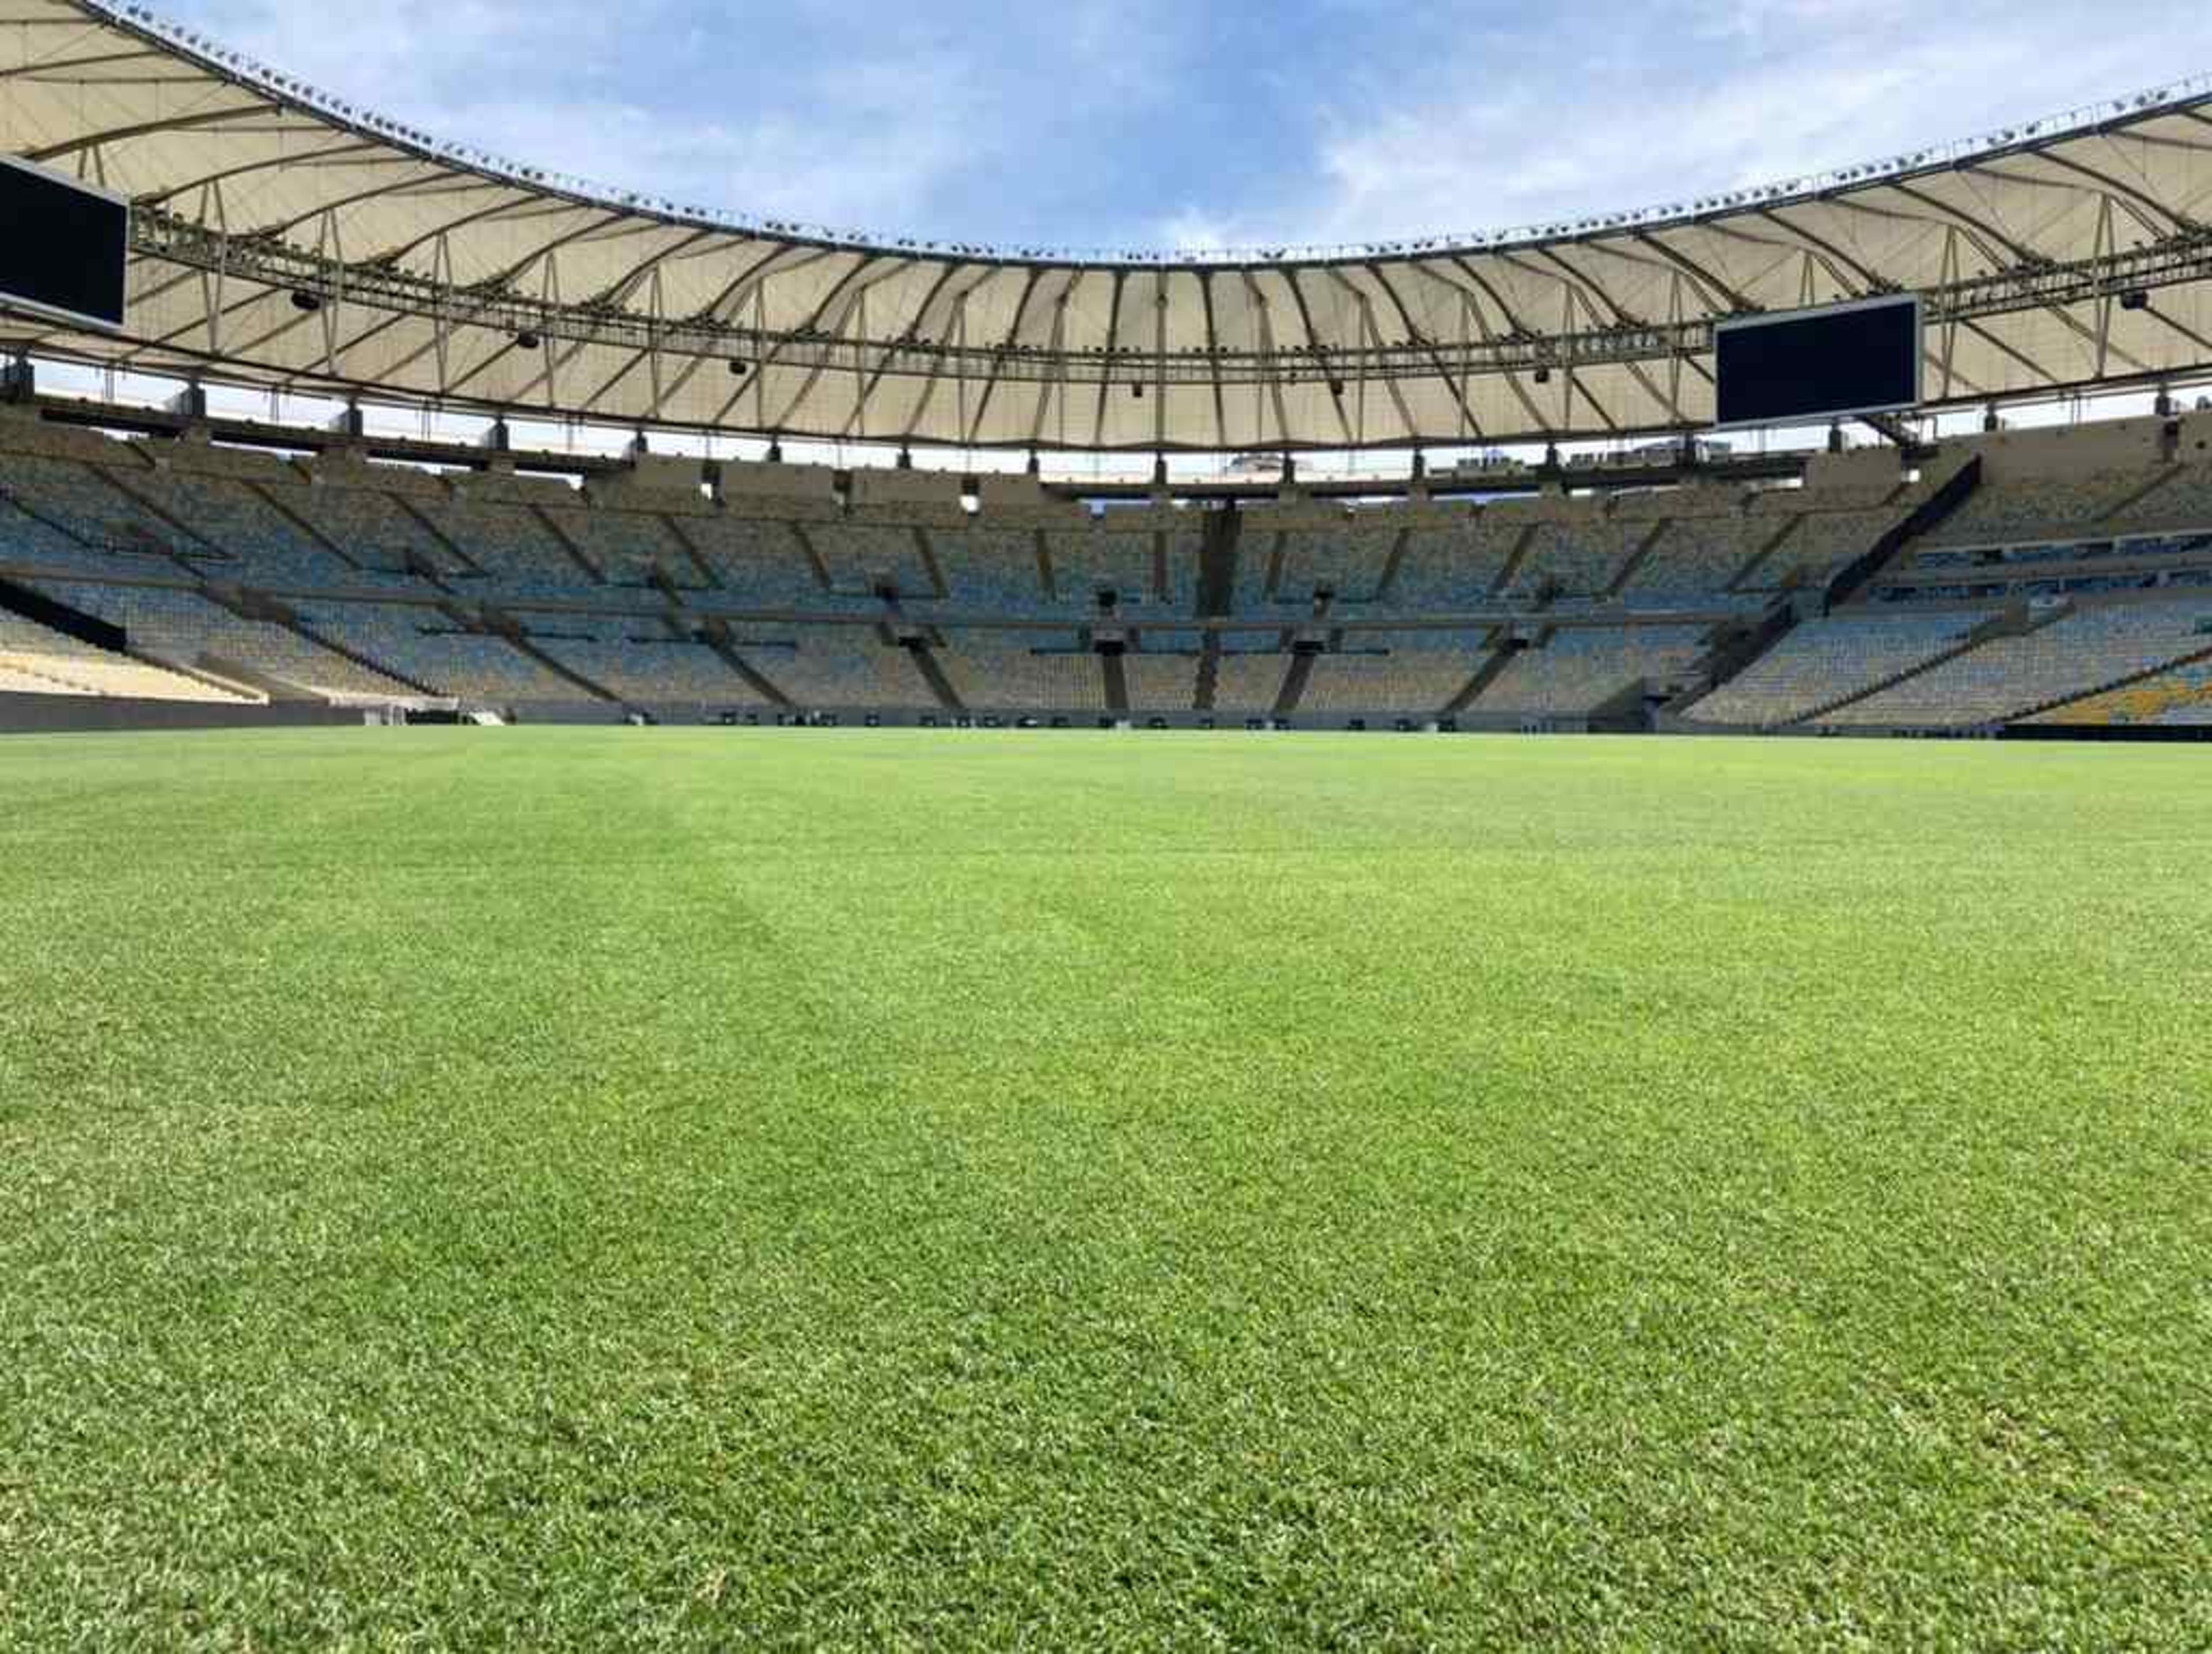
point(1203, 123)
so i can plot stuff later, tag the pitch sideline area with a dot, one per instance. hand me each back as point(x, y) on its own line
point(593, 1189)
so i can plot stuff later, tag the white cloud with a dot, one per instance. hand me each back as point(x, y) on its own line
point(1644, 107)
point(854, 142)
point(1124, 122)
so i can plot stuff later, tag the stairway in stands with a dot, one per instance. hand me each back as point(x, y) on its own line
point(1733, 648)
point(1493, 665)
point(1117, 682)
point(717, 636)
point(505, 628)
point(2004, 626)
point(1735, 655)
point(1217, 564)
point(284, 615)
point(925, 662)
point(1931, 514)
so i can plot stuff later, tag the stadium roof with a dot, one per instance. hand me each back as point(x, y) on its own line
point(283, 237)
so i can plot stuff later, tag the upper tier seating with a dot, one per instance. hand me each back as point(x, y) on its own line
point(760, 562)
point(1087, 561)
point(990, 570)
point(1452, 565)
point(629, 548)
point(1820, 545)
point(865, 557)
point(1582, 668)
point(26, 539)
point(518, 554)
point(2181, 503)
point(373, 528)
point(1577, 558)
point(232, 530)
point(1184, 547)
point(84, 502)
point(1696, 557)
point(1346, 559)
point(2036, 508)
point(2008, 677)
point(1823, 660)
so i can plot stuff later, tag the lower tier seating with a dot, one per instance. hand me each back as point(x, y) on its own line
point(35, 655)
point(626, 658)
point(2009, 676)
point(426, 646)
point(1393, 672)
point(1006, 672)
point(25, 680)
point(830, 667)
point(1582, 668)
point(1249, 682)
point(1823, 661)
point(1161, 683)
point(193, 629)
point(2182, 696)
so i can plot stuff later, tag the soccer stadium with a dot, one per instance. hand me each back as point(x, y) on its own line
point(724, 933)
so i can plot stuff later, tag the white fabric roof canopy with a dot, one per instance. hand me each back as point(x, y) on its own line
point(443, 277)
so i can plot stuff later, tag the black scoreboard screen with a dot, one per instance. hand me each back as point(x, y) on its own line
point(64, 247)
point(1803, 366)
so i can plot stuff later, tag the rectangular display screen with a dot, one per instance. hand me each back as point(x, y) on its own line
point(1810, 364)
point(64, 249)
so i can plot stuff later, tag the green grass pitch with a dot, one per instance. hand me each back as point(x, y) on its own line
point(607, 1190)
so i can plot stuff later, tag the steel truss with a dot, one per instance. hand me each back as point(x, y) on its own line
point(324, 280)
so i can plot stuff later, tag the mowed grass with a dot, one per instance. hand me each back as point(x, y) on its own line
point(566, 1189)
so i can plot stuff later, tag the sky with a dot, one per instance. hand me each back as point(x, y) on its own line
point(1191, 124)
